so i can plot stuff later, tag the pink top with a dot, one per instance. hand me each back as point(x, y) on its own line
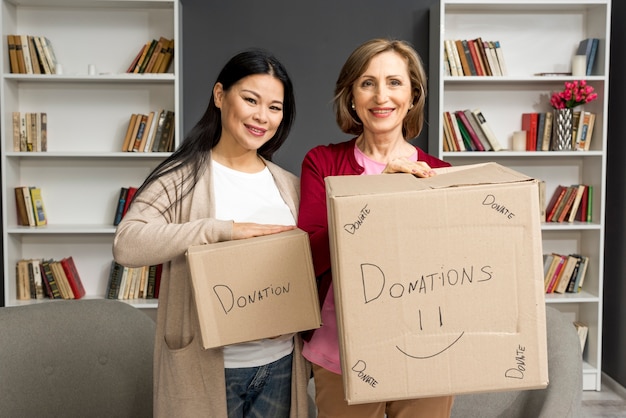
point(323, 348)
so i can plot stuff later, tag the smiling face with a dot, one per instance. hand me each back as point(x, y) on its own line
point(252, 110)
point(382, 95)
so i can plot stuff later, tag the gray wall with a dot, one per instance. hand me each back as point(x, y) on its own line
point(312, 39)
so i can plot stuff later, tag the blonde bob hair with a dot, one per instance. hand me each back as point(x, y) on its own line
point(355, 66)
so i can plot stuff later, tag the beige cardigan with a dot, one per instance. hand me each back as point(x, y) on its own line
point(188, 380)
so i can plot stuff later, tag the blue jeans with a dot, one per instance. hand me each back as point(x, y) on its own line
point(260, 392)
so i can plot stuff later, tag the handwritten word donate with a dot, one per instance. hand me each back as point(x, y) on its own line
point(229, 300)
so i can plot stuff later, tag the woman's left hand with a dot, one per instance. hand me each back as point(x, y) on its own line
point(404, 165)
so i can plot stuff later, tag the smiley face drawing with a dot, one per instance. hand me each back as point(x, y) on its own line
point(374, 284)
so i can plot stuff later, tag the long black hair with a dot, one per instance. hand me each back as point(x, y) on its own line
point(195, 148)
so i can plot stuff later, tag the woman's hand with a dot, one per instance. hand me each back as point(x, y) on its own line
point(249, 230)
point(404, 165)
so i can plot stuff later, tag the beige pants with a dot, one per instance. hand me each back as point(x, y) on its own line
point(331, 403)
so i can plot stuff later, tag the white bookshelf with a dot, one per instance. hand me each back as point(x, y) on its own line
point(83, 170)
point(536, 36)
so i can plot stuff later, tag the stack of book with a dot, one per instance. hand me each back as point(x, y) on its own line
point(126, 196)
point(133, 282)
point(31, 55)
point(564, 273)
point(468, 130)
point(153, 132)
point(474, 57)
point(30, 208)
point(54, 279)
point(153, 57)
point(30, 131)
point(571, 203)
point(539, 127)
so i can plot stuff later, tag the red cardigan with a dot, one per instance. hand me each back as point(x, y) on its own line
point(320, 162)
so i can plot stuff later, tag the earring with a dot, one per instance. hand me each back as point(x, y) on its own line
point(411, 106)
point(353, 107)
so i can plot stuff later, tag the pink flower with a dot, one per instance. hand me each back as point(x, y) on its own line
point(575, 93)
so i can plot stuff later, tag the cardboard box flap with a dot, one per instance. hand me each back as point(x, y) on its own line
point(459, 176)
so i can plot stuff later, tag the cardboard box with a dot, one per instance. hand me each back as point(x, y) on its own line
point(256, 288)
point(438, 283)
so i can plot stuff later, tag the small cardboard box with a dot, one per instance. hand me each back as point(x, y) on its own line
point(438, 283)
point(254, 288)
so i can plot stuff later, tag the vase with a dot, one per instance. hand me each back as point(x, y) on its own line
point(562, 124)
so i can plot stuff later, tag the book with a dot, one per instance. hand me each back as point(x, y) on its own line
point(541, 122)
point(571, 197)
point(15, 124)
point(468, 128)
point(34, 58)
point(13, 60)
point(580, 275)
point(133, 64)
point(572, 280)
point(23, 134)
point(586, 143)
point(541, 186)
point(133, 135)
point(463, 57)
point(588, 47)
point(157, 282)
point(500, 55)
point(49, 53)
point(476, 59)
point(146, 132)
point(476, 128)
point(115, 276)
point(486, 129)
point(59, 276)
point(73, 277)
point(119, 211)
point(129, 131)
point(20, 204)
point(547, 132)
point(43, 61)
point(576, 204)
point(140, 132)
point(566, 274)
point(583, 130)
point(480, 48)
point(21, 65)
point(148, 56)
point(556, 198)
point(39, 209)
point(152, 270)
point(581, 215)
point(561, 207)
point(22, 285)
point(40, 292)
point(28, 202)
point(456, 133)
point(43, 131)
point(529, 124)
point(154, 56)
point(582, 330)
point(167, 132)
point(449, 53)
point(146, 48)
point(46, 269)
point(468, 55)
point(28, 65)
point(589, 203)
point(153, 130)
point(553, 261)
point(467, 140)
point(493, 59)
point(457, 58)
point(159, 131)
point(449, 143)
point(129, 199)
point(168, 56)
point(557, 272)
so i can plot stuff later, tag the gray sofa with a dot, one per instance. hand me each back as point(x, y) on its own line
point(76, 358)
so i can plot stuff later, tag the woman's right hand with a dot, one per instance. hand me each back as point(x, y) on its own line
point(249, 230)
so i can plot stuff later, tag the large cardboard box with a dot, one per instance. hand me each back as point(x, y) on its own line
point(438, 283)
point(255, 288)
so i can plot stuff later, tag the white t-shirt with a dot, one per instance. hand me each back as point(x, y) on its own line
point(251, 197)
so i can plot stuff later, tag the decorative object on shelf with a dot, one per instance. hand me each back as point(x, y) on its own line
point(562, 129)
point(576, 93)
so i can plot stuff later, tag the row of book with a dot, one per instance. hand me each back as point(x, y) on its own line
point(133, 282)
point(564, 273)
point(153, 132)
point(53, 279)
point(570, 203)
point(153, 57)
point(30, 208)
point(31, 55)
point(468, 130)
point(30, 131)
point(126, 196)
point(589, 48)
point(474, 57)
point(539, 130)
